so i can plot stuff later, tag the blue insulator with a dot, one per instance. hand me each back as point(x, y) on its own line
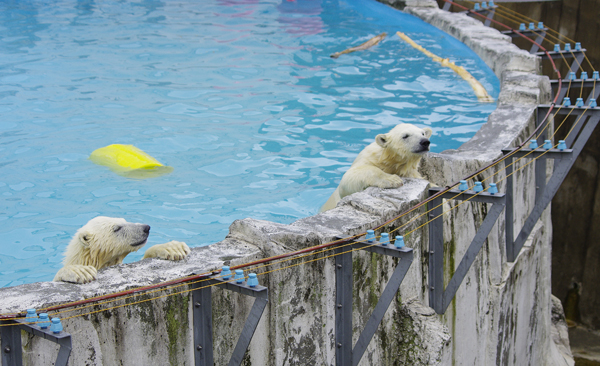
point(593, 103)
point(399, 243)
point(370, 236)
point(476, 7)
point(561, 145)
point(579, 102)
point(463, 185)
point(532, 26)
point(540, 25)
point(572, 76)
point(31, 316)
point(252, 280)
point(44, 322)
point(522, 27)
point(239, 276)
point(478, 187)
point(56, 326)
point(567, 47)
point(577, 46)
point(547, 144)
point(385, 238)
point(556, 48)
point(595, 75)
point(493, 189)
point(567, 101)
point(226, 273)
point(491, 3)
point(584, 75)
point(533, 144)
point(484, 5)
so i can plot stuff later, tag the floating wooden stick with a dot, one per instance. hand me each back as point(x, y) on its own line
point(480, 92)
point(370, 43)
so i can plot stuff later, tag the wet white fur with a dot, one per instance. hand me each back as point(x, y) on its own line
point(381, 164)
point(106, 241)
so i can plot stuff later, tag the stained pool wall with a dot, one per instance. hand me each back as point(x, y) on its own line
point(501, 314)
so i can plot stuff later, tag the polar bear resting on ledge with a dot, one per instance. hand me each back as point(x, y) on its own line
point(106, 241)
point(381, 164)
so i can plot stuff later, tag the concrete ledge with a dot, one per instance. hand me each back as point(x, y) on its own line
point(485, 324)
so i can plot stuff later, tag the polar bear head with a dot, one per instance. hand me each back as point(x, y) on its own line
point(105, 241)
point(405, 140)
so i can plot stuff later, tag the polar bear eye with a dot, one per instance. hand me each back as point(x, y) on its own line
point(117, 228)
point(405, 136)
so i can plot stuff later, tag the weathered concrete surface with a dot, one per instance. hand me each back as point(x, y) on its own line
point(501, 314)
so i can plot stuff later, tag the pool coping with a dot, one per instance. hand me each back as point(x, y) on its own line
point(522, 89)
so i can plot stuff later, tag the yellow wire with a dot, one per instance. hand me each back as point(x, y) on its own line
point(330, 248)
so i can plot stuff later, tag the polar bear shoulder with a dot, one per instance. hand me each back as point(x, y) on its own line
point(381, 164)
point(106, 241)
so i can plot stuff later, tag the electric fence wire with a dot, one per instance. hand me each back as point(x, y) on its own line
point(297, 255)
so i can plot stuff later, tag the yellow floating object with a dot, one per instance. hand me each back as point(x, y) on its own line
point(129, 161)
point(480, 92)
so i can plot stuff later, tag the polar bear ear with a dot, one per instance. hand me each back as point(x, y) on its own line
point(428, 132)
point(382, 139)
point(85, 238)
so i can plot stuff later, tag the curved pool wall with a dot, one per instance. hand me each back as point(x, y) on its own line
point(500, 315)
point(79, 77)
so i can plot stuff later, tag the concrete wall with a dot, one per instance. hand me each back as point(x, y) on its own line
point(576, 239)
point(501, 314)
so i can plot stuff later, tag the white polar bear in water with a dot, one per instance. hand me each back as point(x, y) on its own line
point(106, 241)
point(381, 164)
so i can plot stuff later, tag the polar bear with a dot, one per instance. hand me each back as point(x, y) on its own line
point(106, 241)
point(381, 164)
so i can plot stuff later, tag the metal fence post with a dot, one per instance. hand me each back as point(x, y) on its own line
point(203, 328)
point(11, 345)
point(436, 253)
point(343, 307)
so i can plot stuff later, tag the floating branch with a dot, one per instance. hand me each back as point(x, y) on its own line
point(480, 92)
point(368, 44)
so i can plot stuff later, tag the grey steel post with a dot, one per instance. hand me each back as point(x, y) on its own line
point(248, 331)
point(203, 341)
point(538, 41)
point(343, 307)
point(490, 15)
point(577, 61)
point(591, 118)
point(11, 344)
point(471, 253)
point(203, 327)
point(561, 168)
point(383, 304)
point(540, 163)
point(436, 253)
point(509, 213)
point(440, 297)
point(64, 351)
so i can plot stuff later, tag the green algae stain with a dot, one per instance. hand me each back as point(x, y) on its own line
point(177, 325)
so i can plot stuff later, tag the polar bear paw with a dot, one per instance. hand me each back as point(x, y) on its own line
point(76, 273)
point(390, 181)
point(173, 251)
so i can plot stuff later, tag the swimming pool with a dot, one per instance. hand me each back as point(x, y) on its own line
point(241, 98)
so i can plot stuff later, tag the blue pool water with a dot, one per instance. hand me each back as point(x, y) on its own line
point(241, 98)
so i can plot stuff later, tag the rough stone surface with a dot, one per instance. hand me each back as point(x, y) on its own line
point(501, 313)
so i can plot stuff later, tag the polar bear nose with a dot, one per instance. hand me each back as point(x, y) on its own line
point(147, 229)
point(425, 143)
